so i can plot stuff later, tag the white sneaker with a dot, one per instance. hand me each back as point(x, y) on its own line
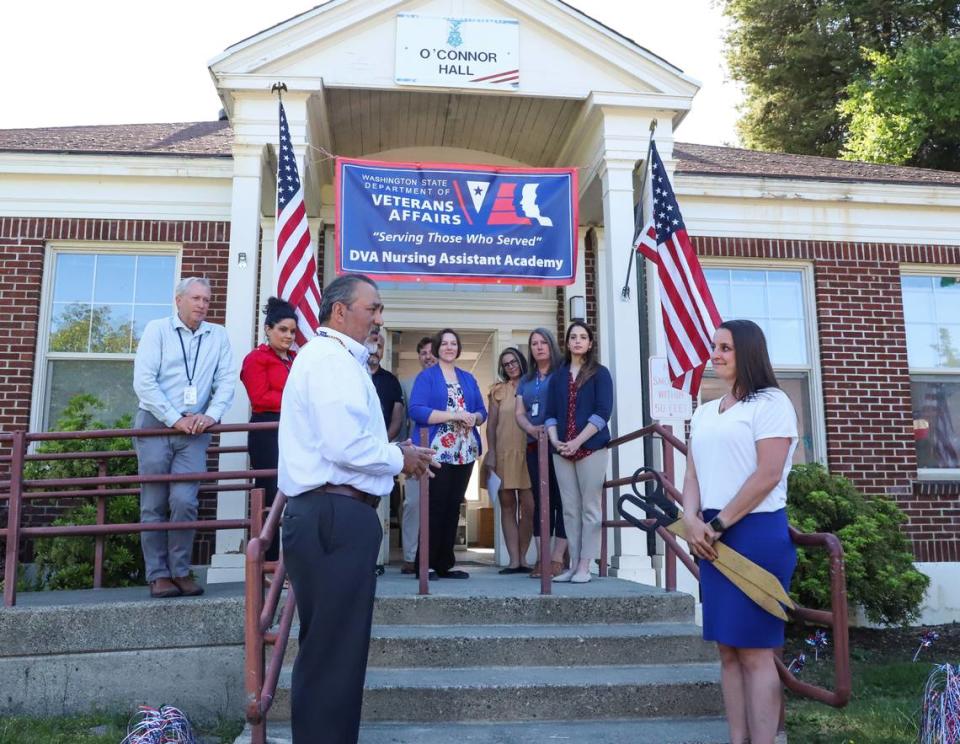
point(580, 578)
point(564, 577)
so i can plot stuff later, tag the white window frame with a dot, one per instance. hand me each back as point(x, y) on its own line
point(43, 354)
point(934, 474)
point(818, 424)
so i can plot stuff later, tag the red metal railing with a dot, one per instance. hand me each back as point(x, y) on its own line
point(544, 517)
point(261, 676)
point(836, 618)
point(16, 490)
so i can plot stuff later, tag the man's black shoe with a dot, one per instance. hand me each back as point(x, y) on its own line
point(454, 574)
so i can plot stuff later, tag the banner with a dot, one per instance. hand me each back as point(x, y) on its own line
point(438, 222)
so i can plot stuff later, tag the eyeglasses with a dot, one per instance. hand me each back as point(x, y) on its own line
point(511, 363)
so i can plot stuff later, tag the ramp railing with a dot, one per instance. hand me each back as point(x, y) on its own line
point(17, 490)
point(836, 618)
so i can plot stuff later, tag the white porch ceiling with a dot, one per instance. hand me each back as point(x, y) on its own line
point(526, 129)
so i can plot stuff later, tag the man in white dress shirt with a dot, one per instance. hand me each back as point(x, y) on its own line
point(335, 465)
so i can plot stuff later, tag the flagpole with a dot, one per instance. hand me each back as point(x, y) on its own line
point(278, 87)
point(625, 292)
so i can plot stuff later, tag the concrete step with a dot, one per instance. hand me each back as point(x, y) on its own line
point(559, 608)
point(532, 693)
point(637, 731)
point(544, 645)
point(488, 598)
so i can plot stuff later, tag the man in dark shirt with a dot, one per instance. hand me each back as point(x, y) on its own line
point(391, 403)
point(388, 388)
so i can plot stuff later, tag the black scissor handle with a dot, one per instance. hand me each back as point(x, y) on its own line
point(647, 524)
point(658, 498)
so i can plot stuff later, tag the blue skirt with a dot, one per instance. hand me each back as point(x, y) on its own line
point(730, 617)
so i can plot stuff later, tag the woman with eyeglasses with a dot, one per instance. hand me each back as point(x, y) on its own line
point(506, 456)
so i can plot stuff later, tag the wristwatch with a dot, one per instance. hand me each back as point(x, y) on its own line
point(717, 525)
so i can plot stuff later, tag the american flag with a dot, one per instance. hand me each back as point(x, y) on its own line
point(689, 314)
point(297, 278)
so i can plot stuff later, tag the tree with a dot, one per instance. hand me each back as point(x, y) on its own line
point(797, 58)
point(906, 109)
point(82, 328)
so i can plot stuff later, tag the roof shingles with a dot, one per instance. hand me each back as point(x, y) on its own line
point(215, 139)
point(195, 139)
point(734, 161)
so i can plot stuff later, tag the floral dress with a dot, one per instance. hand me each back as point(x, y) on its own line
point(453, 442)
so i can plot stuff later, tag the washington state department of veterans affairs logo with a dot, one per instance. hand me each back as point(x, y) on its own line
point(454, 38)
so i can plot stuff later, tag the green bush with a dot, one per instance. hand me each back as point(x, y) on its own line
point(67, 562)
point(879, 564)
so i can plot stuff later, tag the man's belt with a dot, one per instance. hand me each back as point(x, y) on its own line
point(353, 493)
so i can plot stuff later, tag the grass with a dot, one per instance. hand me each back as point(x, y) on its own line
point(887, 691)
point(94, 728)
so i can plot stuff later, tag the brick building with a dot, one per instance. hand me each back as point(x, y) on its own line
point(852, 269)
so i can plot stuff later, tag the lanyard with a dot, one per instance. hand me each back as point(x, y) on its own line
point(327, 335)
point(196, 356)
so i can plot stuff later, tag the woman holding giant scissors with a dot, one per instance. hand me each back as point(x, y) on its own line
point(740, 453)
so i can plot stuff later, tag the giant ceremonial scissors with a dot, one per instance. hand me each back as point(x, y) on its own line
point(755, 581)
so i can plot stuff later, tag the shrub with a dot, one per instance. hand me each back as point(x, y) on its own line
point(67, 562)
point(880, 573)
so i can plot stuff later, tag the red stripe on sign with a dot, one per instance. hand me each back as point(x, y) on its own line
point(514, 73)
point(463, 207)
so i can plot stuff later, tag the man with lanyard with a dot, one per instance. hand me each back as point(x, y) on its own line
point(184, 376)
point(335, 465)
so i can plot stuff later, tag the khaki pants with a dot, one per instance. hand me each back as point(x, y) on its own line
point(581, 490)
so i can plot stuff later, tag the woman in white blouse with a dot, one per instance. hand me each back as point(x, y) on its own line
point(740, 453)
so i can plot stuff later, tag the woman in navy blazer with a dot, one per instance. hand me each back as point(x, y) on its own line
point(446, 401)
point(579, 405)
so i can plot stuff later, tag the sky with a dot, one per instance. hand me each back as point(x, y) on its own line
point(71, 62)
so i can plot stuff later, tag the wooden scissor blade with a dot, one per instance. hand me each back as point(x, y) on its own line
point(752, 579)
point(758, 595)
point(753, 573)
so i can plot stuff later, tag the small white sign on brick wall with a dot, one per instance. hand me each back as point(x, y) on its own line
point(666, 402)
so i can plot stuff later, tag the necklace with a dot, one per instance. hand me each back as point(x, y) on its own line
point(725, 408)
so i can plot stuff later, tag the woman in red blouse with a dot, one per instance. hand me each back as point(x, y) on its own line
point(264, 374)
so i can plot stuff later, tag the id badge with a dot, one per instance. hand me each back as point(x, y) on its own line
point(190, 395)
point(535, 408)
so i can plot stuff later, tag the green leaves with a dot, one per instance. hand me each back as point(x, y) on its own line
point(905, 107)
point(799, 58)
point(879, 565)
point(67, 562)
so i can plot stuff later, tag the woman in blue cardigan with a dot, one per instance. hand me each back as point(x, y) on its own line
point(447, 400)
point(579, 404)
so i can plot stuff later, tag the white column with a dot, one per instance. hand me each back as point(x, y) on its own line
point(241, 319)
point(620, 346)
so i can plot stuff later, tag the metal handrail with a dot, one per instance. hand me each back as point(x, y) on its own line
point(261, 676)
point(836, 618)
point(17, 491)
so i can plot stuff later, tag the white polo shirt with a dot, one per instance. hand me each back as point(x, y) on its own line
point(724, 446)
point(331, 425)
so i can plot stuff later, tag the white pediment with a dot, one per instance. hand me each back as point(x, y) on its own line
point(352, 44)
